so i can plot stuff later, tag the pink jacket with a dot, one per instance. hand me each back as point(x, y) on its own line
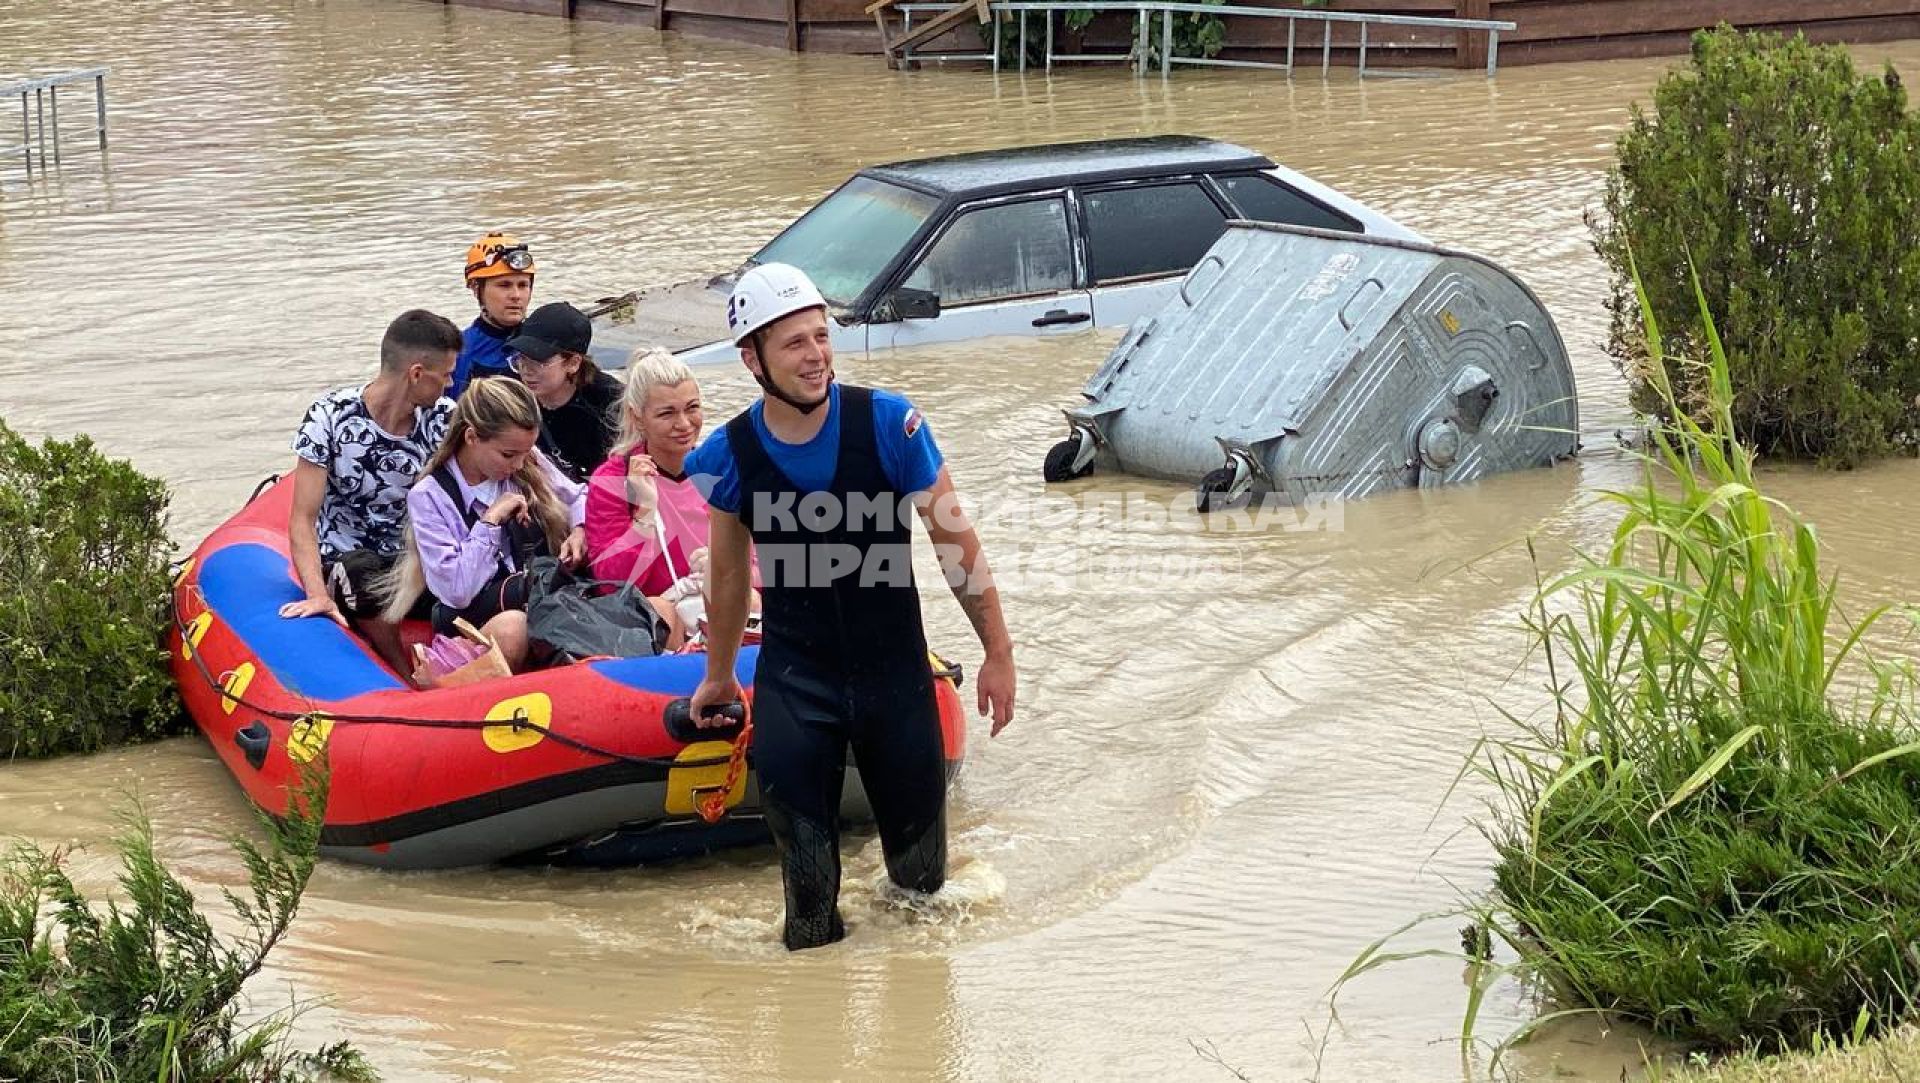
point(620, 551)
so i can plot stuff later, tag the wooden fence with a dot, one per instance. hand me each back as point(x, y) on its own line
point(1561, 30)
point(1548, 30)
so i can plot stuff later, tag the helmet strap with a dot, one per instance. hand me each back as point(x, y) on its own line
point(767, 385)
point(766, 382)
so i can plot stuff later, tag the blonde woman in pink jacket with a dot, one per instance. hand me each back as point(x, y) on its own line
point(646, 522)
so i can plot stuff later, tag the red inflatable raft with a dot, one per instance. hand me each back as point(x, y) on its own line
point(571, 764)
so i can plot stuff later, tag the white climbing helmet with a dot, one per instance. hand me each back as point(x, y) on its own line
point(768, 292)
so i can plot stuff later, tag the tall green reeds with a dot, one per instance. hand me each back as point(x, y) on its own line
point(1716, 831)
point(1690, 840)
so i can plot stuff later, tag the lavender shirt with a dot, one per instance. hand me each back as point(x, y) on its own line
point(458, 561)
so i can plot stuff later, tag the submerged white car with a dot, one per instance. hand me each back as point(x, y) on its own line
point(1026, 241)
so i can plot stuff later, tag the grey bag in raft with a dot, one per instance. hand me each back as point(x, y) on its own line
point(585, 618)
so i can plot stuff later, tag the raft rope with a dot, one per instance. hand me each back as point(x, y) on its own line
point(713, 803)
point(735, 760)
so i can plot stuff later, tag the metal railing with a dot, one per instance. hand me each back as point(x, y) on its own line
point(1166, 9)
point(991, 56)
point(45, 94)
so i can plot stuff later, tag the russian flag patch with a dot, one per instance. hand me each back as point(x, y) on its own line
point(913, 422)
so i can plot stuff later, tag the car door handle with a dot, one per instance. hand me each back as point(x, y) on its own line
point(1060, 315)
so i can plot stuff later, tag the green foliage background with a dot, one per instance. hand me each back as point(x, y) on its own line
point(83, 592)
point(1793, 183)
point(1194, 33)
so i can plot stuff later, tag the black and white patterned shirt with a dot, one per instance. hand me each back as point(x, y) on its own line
point(369, 470)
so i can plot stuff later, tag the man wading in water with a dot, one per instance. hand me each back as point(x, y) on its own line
point(819, 476)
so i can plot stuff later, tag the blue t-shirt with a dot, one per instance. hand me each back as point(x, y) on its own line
point(483, 352)
point(908, 453)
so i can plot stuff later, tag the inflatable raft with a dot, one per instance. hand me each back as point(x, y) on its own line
point(581, 763)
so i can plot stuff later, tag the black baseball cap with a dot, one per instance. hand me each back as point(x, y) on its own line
point(552, 329)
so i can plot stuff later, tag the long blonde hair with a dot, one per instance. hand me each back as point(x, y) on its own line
point(650, 367)
point(489, 407)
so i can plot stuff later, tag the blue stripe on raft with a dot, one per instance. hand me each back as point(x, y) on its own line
point(245, 585)
point(672, 674)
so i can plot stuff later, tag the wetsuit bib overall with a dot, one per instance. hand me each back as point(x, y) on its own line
point(843, 664)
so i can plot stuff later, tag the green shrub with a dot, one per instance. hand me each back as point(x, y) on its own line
point(83, 593)
point(1793, 183)
point(150, 992)
point(1195, 34)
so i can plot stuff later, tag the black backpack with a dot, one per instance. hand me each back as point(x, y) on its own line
point(585, 618)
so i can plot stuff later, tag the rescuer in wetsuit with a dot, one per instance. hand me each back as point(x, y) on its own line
point(820, 477)
point(500, 274)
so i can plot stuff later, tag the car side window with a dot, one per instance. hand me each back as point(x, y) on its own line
point(1150, 230)
point(1264, 199)
point(1000, 252)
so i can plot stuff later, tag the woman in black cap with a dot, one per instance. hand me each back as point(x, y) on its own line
point(578, 403)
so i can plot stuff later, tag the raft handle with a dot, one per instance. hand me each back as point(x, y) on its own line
point(952, 671)
point(253, 739)
point(266, 483)
point(678, 719)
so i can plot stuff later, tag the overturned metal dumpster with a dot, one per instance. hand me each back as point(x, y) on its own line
point(1298, 361)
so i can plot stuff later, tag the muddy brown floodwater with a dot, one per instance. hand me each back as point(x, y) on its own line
point(1229, 770)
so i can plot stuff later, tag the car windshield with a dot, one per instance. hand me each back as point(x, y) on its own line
point(847, 238)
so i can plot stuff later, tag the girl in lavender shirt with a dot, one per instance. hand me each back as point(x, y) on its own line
point(486, 504)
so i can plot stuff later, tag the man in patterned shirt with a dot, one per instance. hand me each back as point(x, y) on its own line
point(360, 449)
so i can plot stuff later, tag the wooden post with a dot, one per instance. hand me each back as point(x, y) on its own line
point(878, 9)
point(659, 14)
point(928, 30)
point(1471, 51)
point(793, 26)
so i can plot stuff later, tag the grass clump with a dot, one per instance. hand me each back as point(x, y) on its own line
point(83, 593)
point(1791, 181)
point(1716, 833)
point(149, 991)
point(1894, 1057)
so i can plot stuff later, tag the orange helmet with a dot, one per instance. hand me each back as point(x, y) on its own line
point(497, 254)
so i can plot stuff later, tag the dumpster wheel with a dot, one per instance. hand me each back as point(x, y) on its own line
point(1227, 482)
point(1059, 464)
point(1070, 458)
point(1215, 490)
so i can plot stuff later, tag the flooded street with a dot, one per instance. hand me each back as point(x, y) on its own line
point(1231, 765)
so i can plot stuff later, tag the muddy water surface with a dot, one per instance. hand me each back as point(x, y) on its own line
point(1233, 748)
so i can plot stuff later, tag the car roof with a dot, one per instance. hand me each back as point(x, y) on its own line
point(1015, 169)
